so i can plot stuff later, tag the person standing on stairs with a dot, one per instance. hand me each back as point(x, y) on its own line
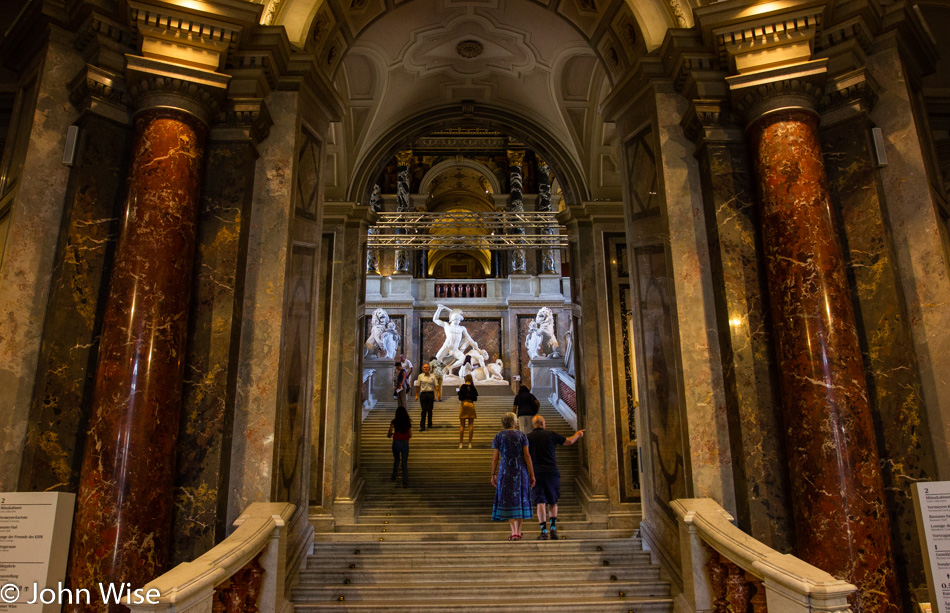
point(425, 394)
point(436, 365)
point(399, 385)
point(542, 445)
point(467, 397)
point(512, 474)
point(526, 406)
point(400, 430)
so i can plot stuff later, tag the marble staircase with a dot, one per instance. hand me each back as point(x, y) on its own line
point(433, 547)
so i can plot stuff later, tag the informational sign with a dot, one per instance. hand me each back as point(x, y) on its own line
point(34, 545)
point(932, 505)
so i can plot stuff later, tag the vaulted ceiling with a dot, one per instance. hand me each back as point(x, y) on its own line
point(547, 63)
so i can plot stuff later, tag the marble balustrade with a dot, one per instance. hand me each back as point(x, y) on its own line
point(725, 567)
point(258, 543)
point(564, 395)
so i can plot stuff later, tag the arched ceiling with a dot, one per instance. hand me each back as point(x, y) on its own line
point(544, 62)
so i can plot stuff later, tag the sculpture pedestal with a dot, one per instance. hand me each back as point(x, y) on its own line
point(540, 383)
point(374, 285)
point(382, 387)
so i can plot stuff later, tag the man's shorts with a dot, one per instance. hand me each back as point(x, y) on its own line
point(547, 489)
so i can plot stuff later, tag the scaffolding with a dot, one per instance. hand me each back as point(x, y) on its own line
point(496, 230)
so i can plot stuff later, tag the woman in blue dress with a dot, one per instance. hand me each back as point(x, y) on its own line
point(512, 475)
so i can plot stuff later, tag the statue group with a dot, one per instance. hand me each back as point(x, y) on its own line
point(463, 353)
point(542, 340)
point(383, 341)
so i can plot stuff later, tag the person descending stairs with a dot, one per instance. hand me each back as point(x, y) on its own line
point(433, 547)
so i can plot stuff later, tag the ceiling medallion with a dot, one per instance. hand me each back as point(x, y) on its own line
point(469, 48)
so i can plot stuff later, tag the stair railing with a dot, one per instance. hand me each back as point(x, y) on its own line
point(564, 396)
point(244, 573)
point(725, 569)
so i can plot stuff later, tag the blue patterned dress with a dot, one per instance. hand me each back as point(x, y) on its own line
point(513, 492)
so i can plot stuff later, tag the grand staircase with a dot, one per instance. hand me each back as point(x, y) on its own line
point(433, 547)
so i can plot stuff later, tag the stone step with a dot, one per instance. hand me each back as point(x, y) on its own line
point(482, 526)
point(476, 575)
point(396, 604)
point(498, 534)
point(517, 586)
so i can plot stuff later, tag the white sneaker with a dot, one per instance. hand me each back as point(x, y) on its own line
point(469, 445)
point(460, 445)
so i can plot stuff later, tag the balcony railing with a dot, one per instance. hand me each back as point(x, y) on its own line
point(461, 290)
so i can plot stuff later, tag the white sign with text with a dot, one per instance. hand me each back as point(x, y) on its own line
point(34, 544)
point(932, 505)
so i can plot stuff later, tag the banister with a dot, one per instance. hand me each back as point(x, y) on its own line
point(791, 584)
point(190, 586)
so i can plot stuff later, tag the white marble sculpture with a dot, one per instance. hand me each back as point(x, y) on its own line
point(460, 351)
point(542, 340)
point(457, 339)
point(383, 341)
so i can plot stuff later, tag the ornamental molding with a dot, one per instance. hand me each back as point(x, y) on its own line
point(153, 83)
point(707, 120)
point(249, 119)
point(856, 87)
point(96, 26)
point(94, 82)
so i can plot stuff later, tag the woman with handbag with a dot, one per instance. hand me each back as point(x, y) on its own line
point(400, 430)
point(467, 396)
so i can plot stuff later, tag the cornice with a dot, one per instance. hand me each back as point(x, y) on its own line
point(856, 88)
point(711, 120)
point(695, 70)
point(242, 120)
point(303, 74)
point(101, 92)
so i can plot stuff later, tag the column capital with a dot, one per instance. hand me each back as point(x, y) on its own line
point(158, 84)
point(848, 94)
point(404, 158)
point(515, 157)
point(788, 87)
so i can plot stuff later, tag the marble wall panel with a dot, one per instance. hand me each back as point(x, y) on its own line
point(204, 449)
point(252, 453)
point(484, 330)
point(53, 451)
point(521, 363)
point(660, 394)
point(762, 504)
point(891, 366)
point(918, 246)
point(36, 213)
point(318, 495)
point(296, 392)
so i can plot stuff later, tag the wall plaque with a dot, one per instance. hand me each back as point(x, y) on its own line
point(34, 543)
point(932, 505)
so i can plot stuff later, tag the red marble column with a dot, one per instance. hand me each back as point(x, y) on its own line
point(121, 528)
point(837, 488)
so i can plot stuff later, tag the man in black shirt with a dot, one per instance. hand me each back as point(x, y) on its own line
point(542, 445)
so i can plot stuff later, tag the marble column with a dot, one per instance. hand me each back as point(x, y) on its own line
point(121, 527)
point(837, 489)
point(550, 258)
point(403, 203)
point(372, 254)
point(516, 205)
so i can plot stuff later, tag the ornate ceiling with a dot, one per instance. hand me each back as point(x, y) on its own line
point(547, 63)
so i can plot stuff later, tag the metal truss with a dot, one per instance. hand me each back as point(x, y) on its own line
point(500, 230)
